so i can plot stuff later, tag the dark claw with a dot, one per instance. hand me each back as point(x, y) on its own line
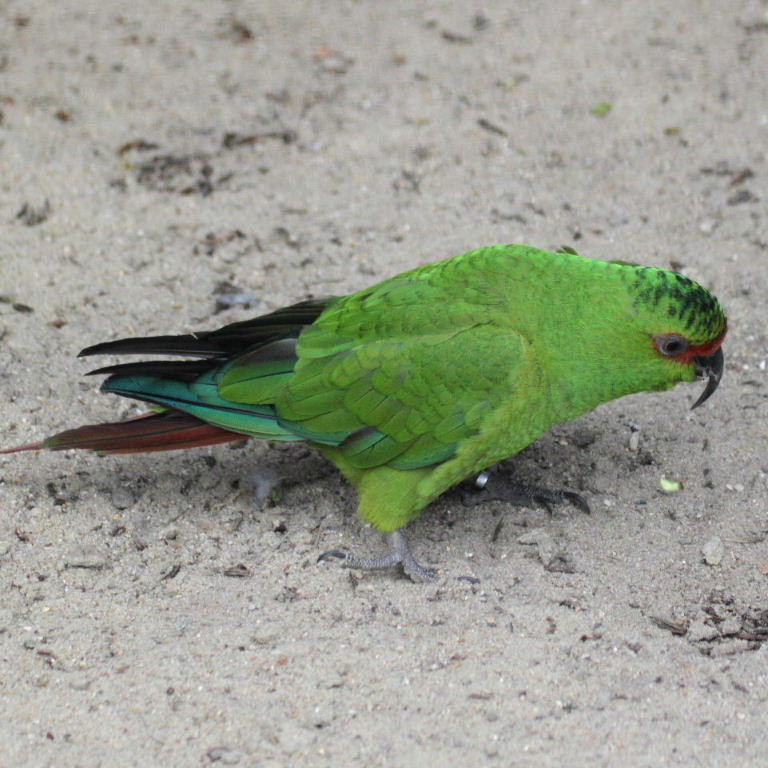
point(502, 489)
point(578, 501)
point(339, 553)
point(420, 573)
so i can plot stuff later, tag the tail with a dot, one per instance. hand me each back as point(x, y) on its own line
point(250, 360)
point(167, 431)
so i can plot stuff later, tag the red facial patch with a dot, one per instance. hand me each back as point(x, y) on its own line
point(702, 350)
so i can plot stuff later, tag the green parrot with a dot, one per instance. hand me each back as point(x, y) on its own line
point(423, 380)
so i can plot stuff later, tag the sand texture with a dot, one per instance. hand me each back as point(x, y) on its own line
point(171, 166)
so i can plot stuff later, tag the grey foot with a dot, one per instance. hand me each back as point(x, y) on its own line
point(503, 489)
point(399, 554)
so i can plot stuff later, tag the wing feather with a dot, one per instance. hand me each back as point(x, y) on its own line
point(407, 403)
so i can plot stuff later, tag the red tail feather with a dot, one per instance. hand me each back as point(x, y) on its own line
point(166, 431)
point(29, 447)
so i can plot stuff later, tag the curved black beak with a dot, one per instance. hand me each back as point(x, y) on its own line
point(711, 369)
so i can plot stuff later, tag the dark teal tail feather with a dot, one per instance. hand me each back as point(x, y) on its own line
point(200, 399)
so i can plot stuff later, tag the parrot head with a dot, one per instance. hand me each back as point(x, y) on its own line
point(688, 323)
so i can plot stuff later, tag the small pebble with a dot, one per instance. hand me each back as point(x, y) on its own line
point(713, 551)
point(224, 755)
point(122, 498)
point(235, 299)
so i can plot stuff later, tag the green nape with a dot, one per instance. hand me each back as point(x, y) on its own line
point(676, 298)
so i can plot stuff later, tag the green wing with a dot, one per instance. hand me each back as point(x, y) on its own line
point(407, 403)
point(404, 373)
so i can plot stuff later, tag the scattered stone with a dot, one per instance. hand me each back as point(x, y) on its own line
point(224, 755)
point(671, 625)
point(123, 498)
point(713, 551)
point(229, 295)
point(239, 571)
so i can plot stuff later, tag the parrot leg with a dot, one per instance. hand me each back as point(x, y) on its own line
point(399, 554)
point(520, 495)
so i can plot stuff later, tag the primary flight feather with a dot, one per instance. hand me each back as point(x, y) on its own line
point(425, 379)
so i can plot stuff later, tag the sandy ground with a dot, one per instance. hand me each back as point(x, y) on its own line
point(153, 613)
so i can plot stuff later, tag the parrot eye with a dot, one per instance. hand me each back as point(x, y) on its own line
point(672, 345)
